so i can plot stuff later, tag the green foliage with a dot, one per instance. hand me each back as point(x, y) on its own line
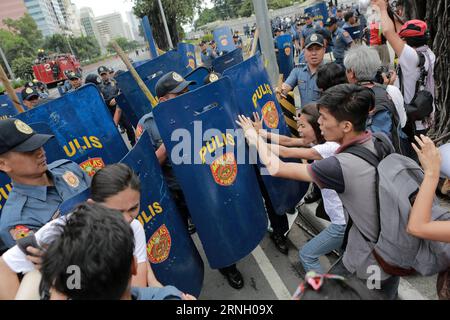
point(26, 28)
point(23, 68)
point(83, 47)
point(208, 37)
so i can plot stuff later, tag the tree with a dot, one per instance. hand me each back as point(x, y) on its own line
point(26, 28)
point(436, 14)
point(178, 12)
point(14, 47)
point(57, 43)
point(23, 67)
point(124, 43)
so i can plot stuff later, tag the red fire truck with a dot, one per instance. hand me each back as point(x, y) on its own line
point(52, 69)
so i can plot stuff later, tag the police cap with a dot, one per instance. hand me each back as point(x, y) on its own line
point(314, 38)
point(171, 82)
point(73, 75)
point(212, 77)
point(102, 70)
point(93, 78)
point(17, 136)
point(29, 92)
point(330, 21)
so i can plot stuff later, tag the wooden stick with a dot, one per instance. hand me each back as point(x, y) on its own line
point(447, 135)
point(10, 90)
point(255, 43)
point(135, 75)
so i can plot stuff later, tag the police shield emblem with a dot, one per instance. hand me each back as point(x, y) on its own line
point(217, 186)
point(251, 84)
point(187, 51)
point(174, 257)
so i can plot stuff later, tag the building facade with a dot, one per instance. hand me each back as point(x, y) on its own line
point(90, 27)
point(13, 9)
point(110, 26)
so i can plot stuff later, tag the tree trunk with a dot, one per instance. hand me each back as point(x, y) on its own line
point(154, 15)
point(437, 15)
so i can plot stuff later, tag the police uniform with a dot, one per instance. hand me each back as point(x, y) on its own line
point(301, 76)
point(30, 207)
point(307, 30)
point(73, 76)
point(207, 58)
point(341, 43)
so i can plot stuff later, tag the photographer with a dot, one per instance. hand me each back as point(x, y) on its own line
point(416, 68)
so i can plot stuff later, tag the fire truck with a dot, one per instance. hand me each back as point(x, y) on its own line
point(53, 69)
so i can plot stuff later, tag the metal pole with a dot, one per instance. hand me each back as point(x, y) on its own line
point(265, 36)
point(169, 39)
point(11, 73)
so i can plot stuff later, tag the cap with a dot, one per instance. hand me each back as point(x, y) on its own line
point(212, 42)
point(29, 84)
point(307, 16)
point(16, 135)
point(212, 77)
point(102, 69)
point(235, 36)
point(111, 70)
point(29, 92)
point(73, 75)
point(171, 82)
point(330, 21)
point(93, 78)
point(314, 39)
point(413, 28)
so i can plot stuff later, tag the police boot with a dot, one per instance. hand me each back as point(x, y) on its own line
point(280, 242)
point(234, 277)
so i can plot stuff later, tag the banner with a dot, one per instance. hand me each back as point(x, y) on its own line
point(221, 191)
point(318, 11)
point(251, 84)
point(170, 249)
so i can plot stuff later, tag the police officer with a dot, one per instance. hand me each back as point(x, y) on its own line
point(30, 97)
point(38, 188)
point(41, 87)
point(307, 30)
point(237, 40)
point(110, 91)
point(169, 87)
point(350, 20)
point(341, 39)
point(305, 76)
point(207, 55)
point(75, 81)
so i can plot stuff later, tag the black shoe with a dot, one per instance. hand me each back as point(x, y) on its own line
point(191, 227)
point(312, 197)
point(280, 242)
point(234, 277)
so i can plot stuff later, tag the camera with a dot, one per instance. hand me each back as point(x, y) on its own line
point(379, 75)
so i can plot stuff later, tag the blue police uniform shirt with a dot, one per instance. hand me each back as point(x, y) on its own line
point(208, 57)
point(148, 124)
point(346, 25)
point(306, 82)
point(340, 23)
point(341, 42)
point(307, 30)
point(34, 206)
point(150, 293)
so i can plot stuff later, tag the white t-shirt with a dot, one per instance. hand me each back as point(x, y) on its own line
point(331, 202)
point(397, 98)
point(18, 262)
point(409, 61)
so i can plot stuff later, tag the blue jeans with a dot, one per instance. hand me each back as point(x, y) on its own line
point(328, 240)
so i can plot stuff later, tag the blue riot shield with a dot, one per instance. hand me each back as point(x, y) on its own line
point(224, 39)
point(69, 205)
point(251, 84)
point(127, 109)
point(318, 11)
point(285, 54)
point(187, 51)
point(150, 72)
point(7, 108)
point(83, 126)
point(355, 32)
point(170, 250)
point(220, 64)
point(198, 75)
point(221, 192)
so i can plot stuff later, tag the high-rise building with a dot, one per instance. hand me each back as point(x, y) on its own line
point(134, 25)
point(47, 15)
point(13, 9)
point(90, 27)
point(68, 11)
point(110, 26)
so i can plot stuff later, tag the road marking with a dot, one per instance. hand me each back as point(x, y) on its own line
point(271, 274)
point(406, 291)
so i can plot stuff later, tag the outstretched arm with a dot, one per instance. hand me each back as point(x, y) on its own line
point(274, 165)
point(420, 224)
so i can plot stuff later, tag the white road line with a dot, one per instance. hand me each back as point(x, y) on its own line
point(406, 291)
point(271, 274)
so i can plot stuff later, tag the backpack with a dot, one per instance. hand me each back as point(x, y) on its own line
point(398, 181)
point(421, 106)
point(384, 102)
